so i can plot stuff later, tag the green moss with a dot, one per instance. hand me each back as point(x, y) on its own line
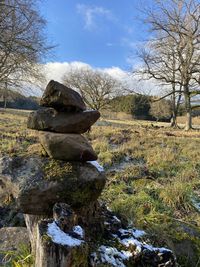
point(85, 194)
point(79, 256)
point(81, 196)
point(58, 170)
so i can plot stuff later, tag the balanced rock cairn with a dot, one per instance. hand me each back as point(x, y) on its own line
point(58, 193)
point(62, 122)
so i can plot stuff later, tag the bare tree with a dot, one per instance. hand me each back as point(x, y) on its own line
point(95, 87)
point(161, 63)
point(174, 55)
point(22, 42)
point(161, 109)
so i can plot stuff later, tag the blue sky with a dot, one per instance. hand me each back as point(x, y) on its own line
point(101, 33)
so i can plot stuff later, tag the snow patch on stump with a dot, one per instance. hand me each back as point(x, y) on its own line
point(60, 237)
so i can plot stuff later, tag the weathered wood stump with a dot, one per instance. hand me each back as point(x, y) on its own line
point(31, 224)
point(71, 252)
point(57, 242)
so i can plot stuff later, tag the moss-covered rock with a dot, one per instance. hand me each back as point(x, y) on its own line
point(37, 183)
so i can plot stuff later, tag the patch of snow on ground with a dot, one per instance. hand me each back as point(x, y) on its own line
point(140, 246)
point(163, 249)
point(111, 256)
point(134, 232)
point(60, 237)
point(131, 240)
point(138, 233)
point(196, 204)
point(116, 219)
point(108, 209)
point(97, 165)
point(78, 230)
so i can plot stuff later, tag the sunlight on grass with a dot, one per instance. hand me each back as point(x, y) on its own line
point(153, 173)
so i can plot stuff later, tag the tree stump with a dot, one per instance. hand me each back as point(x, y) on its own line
point(57, 242)
point(51, 254)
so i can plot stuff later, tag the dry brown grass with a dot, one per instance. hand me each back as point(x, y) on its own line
point(15, 137)
point(195, 120)
point(153, 172)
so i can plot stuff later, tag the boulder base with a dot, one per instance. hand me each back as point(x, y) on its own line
point(36, 183)
point(61, 97)
point(68, 147)
point(62, 122)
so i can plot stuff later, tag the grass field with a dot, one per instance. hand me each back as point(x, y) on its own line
point(153, 176)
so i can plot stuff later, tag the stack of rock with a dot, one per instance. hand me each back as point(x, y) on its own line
point(58, 194)
point(68, 178)
point(62, 122)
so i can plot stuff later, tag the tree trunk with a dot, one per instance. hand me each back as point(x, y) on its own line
point(188, 108)
point(174, 107)
point(50, 254)
point(32, 224)
point(188, 124)
point(5, 95)
point(173, 120)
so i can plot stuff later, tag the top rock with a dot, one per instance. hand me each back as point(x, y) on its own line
point(61, 97)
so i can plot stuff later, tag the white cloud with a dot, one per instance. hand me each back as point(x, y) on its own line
point(56, 70)
point(132, 82)
point(116, 73)
point(90, 13)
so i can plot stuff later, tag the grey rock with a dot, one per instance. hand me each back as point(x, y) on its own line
point(61, 97)
point(69, 147)
point(62, 122)
point(36, 183)
point(10, 217)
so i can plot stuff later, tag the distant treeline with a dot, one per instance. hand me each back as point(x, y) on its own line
point(18, 101)
point(144, 107)
point(138, 106)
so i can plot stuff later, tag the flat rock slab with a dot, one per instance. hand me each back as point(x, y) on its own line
point(69, 147)
point(11, 238)
point(36, 183)
point(60, 97)
point(62, 122)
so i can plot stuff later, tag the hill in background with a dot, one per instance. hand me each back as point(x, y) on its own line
point(18, 101)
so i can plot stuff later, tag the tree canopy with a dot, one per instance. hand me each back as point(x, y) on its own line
point(172, 55)
point(96, 87)
point(22, 42)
